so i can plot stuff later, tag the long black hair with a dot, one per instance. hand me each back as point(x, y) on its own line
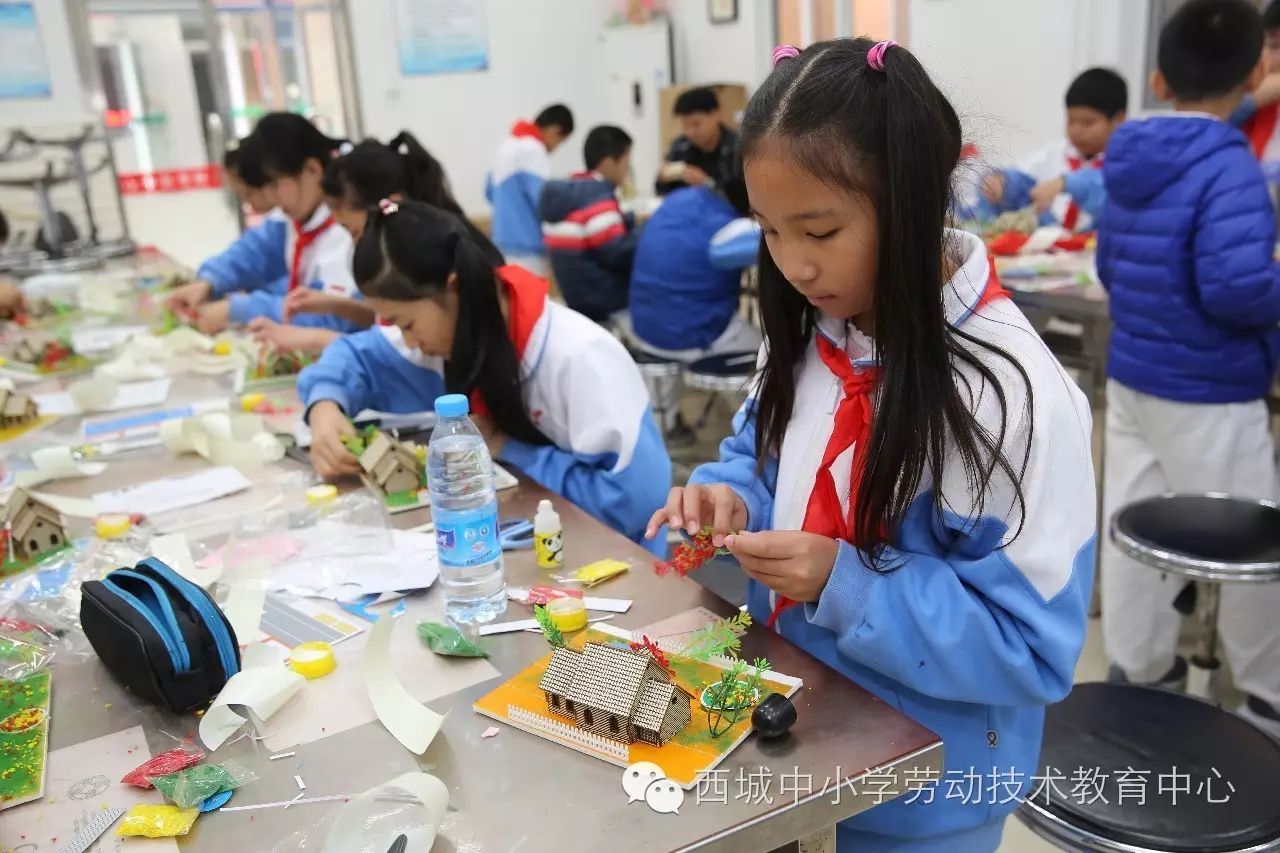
point(893, 138)
point(371, 171)
point(407, 252)
point(288, 141)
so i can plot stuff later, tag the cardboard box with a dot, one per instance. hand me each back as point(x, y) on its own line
point(733, 100)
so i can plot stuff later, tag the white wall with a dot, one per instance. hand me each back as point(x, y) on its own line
point(1006, 64)
point(540, 52)
point(740, 52)
point(67, 104)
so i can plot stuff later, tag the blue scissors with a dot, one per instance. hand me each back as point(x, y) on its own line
point(516, 534)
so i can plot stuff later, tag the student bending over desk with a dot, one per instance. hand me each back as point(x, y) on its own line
point(553, 393)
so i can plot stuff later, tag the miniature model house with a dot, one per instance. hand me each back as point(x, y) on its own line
point(391, 465)
point(617, 693)
point(29, 346)
point(33, 527)
point(16, 409)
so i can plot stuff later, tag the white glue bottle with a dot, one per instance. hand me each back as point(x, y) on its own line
point(548, 541)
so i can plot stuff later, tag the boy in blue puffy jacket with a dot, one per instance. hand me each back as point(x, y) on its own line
point(1185, 249)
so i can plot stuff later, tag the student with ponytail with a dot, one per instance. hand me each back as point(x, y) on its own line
point(909, 485)
point(309, 250)
point(554, 394)
point(355, 181)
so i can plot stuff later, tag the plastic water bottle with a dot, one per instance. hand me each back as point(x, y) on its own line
point(465, 510)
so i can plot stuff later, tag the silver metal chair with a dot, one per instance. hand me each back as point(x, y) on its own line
point(726, 374)
point(1209, 539)
point(1127, 736)
point(662, 378)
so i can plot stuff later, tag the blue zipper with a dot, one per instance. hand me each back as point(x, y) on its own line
point(133, 601)
point(165, 608)
point(208, 611)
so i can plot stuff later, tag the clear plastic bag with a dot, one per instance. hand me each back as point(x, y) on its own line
point(191, 786)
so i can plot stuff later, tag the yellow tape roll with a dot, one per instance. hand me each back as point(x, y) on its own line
point(322, 494)
point(312, 659)
point(567, 614)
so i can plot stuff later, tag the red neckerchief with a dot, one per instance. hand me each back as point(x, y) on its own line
point(1075, 164)
point(527, 300)
point(301, 240)
point(526, 130)
point(852, 427)
point(1260, 127)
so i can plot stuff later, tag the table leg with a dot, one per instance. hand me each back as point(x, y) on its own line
point(1203, 680)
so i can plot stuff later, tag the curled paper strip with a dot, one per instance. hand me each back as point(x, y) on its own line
point(239, 440)
point(364, 825)
point(56, 463)
point(412, 723)
point(262, 686)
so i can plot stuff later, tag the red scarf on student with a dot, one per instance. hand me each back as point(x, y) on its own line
point(1075, 164)
point(852, 428)
point(527, 299)
point(1260, 127)
point(523, 129)
point(301, 240)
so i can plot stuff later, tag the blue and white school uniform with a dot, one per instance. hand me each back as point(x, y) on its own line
point(1084, 195)
point(581, 389)
point(976, 629)
point(514, 188)
point(256, 272)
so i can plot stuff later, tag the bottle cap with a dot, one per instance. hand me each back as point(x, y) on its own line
point(249, 402)
point(312, 659)
point(322, 494)
point(112, 526)
point(567, 614)
point(222, 348)
point(452, 405)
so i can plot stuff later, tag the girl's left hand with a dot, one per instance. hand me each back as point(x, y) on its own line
point(213, 317)
point(790, 562)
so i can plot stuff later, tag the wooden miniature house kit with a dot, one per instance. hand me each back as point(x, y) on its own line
point(391, 466)
point(16, 409)
point(615, 692)
point(28, 346)
point(32, 528)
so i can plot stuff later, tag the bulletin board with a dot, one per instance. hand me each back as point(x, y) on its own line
point(442, 36)
point(24, 69)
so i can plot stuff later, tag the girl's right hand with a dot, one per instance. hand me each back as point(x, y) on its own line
point(186, 298)
point(329, 456)
point(695, 506)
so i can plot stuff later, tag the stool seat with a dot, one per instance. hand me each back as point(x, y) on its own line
point(727, 372)
point(1205, 537)
point(1122, 730)
point(655, 365)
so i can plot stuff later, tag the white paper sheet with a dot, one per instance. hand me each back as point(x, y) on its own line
point(101, 394)
point(172, 493)
point(409, 721)
point(82, 780)
point(77, 507)
point(411, 563)
point(364, 824)
point(262, 685)
point(96, 339)
point(129, 369)
point(56, 463)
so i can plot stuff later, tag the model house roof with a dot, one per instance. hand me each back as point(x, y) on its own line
point(561, 670)
point(23, 510)
point(654, 700)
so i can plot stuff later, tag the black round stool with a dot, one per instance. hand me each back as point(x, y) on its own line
point(662, 378)
point(727, 373)
point(1210, 539)
point(1229, 801)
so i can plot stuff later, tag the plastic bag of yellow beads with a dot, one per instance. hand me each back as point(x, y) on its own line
point(157, 821)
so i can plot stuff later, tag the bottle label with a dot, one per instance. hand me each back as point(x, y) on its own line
point(468, 537)
point(549, 549)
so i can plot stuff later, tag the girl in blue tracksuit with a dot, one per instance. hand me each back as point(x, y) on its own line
point(554, 394)
point(306, 249)
point(909, 485)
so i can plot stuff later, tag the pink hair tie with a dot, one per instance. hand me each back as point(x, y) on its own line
point(784, 51)
point(875, 56)
point(388, 207)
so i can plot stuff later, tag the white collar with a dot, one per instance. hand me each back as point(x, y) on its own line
point(960, 298)
point(317, 218)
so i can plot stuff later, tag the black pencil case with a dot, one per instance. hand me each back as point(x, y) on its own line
point(160, 634)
